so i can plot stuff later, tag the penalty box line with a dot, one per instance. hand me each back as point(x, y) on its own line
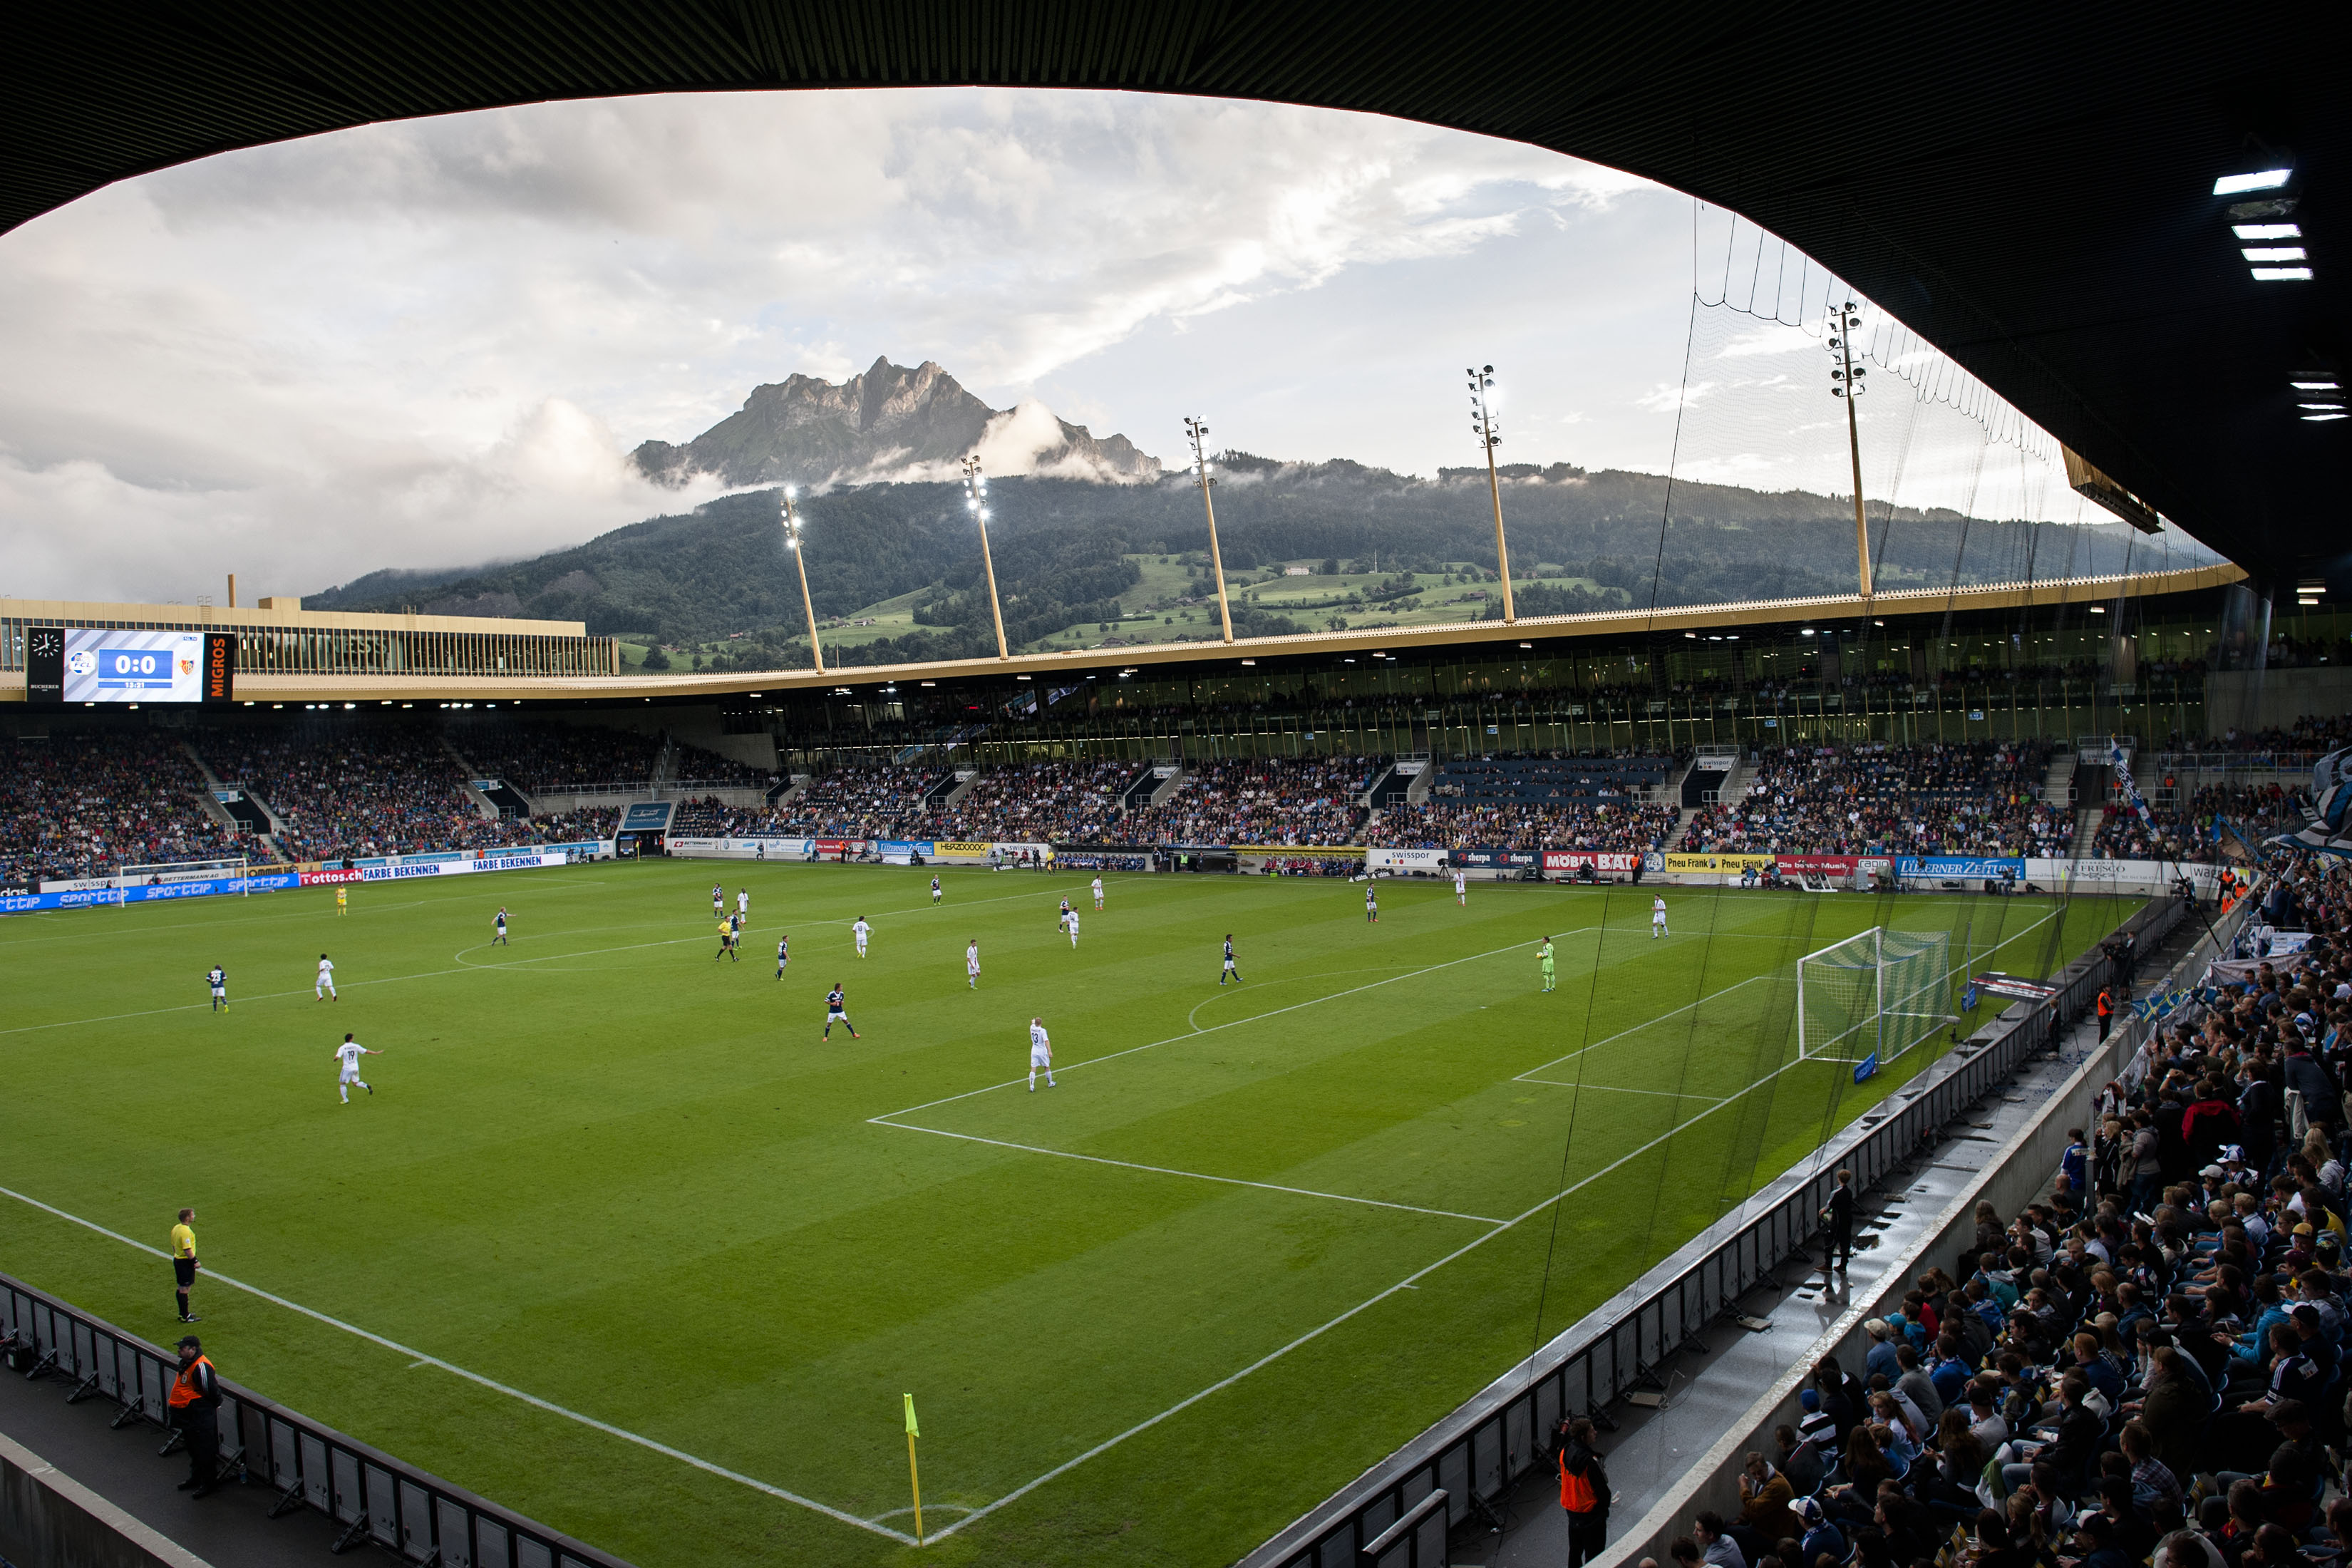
point(421, 1358)
point(885, 1119)
point(1408, 1281)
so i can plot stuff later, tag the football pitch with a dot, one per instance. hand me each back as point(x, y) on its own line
point(620, 1242)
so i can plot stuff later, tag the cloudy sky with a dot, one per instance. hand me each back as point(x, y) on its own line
point(431, 344)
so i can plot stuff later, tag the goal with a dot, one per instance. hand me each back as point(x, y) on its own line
point(235, 867)
point(1878, 993)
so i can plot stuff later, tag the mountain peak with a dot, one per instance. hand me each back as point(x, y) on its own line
point(887, 423)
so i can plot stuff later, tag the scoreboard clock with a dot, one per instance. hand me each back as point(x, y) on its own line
point(90, 666)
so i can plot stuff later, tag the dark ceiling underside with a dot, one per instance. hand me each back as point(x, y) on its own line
point(2028, 188)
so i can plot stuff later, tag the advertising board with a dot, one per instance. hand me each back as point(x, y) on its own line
point(1616, 861)
point(1494, 855)
point(1678, 863)
point(323, 878)
point(1405, 860)
point(1817, 865)
point(1959, 867)
point(520, 860)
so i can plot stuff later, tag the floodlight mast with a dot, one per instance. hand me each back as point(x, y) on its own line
point(792, 543)
point(1481, 424)
point(1846, 382)
point(1195, 429)
point(975, 500)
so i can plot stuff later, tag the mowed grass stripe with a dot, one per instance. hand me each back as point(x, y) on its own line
point(644, 1150)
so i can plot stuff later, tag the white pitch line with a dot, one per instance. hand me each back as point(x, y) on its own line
point(1408, 1282)
point(1195, 1175)
point(1528, 1078)
point(512, 1393)
point(885, 1119)
point(1615, 1089)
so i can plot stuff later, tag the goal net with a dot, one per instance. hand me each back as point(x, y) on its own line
point(168, 872)
point(1880, 992)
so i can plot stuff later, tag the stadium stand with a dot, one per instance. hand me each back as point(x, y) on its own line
point(342, 793)
point(82, 804)
point(1531, 802)
point(1037, 803)
point(548, 758)
point(861, 803)
point(2195, 832)
point(1976, 799)
point(1308, 801)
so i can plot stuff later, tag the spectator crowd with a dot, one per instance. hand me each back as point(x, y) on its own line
point(1980, 799)
point(2148, 1365)
point(86, 805)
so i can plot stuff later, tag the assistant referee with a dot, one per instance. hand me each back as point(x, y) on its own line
point(183, 1262)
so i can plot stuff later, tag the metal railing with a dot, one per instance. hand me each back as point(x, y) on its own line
point(1474, 1455)
point(374, 1497)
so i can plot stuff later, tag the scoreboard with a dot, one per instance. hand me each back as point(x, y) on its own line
point(87, 665)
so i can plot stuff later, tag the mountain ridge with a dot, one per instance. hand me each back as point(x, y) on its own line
point(887, 423)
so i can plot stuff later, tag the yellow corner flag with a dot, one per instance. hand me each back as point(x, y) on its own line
point(914, 1478)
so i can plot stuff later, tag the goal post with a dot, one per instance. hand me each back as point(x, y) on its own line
point(238, 868)
point(1879, 992)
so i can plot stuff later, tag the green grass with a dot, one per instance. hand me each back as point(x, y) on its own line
point(602, 1170)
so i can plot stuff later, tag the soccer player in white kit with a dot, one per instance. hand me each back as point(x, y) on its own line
point(326, 986)
point(1073, 923)
point(742, 901)
point(935, 889)
point(861, 930)
point(1658, 918)
point(1461, 889)
point(1041, 1055)
point(348, 1053)
point(1097, 892)
point(971, 964)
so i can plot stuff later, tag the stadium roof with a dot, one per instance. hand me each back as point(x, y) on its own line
point(1471, 639)
point(2030, 188)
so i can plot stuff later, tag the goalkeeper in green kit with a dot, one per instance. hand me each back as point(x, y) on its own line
point(1544, 953)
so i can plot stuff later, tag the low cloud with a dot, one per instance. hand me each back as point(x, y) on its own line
point(430, 343)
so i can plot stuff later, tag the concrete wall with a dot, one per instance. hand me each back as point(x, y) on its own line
point(2273, 699)
point(2017, 1175)
point(49, 1520)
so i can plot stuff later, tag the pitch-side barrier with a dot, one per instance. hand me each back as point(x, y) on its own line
point(1399, 1512)
point(374, 1497)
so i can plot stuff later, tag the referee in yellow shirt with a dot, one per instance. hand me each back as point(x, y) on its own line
point(183, 1261)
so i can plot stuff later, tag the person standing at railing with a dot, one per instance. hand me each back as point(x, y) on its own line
point(194, 1398)
point(1583, 1494)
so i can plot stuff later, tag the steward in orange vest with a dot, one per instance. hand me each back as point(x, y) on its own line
point(1583, 1493)
point(195, 1396)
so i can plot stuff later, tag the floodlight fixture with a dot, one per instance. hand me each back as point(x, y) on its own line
point(1482, 425)
point(975, 485)
point(2258, 180)
point(2267, 231)
point(1196, 431)
point(2275, 253)
point(1846, 382)
point(792, 522)
point(2281, 274)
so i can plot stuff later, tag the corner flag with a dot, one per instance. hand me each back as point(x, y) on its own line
point(914, 1479)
